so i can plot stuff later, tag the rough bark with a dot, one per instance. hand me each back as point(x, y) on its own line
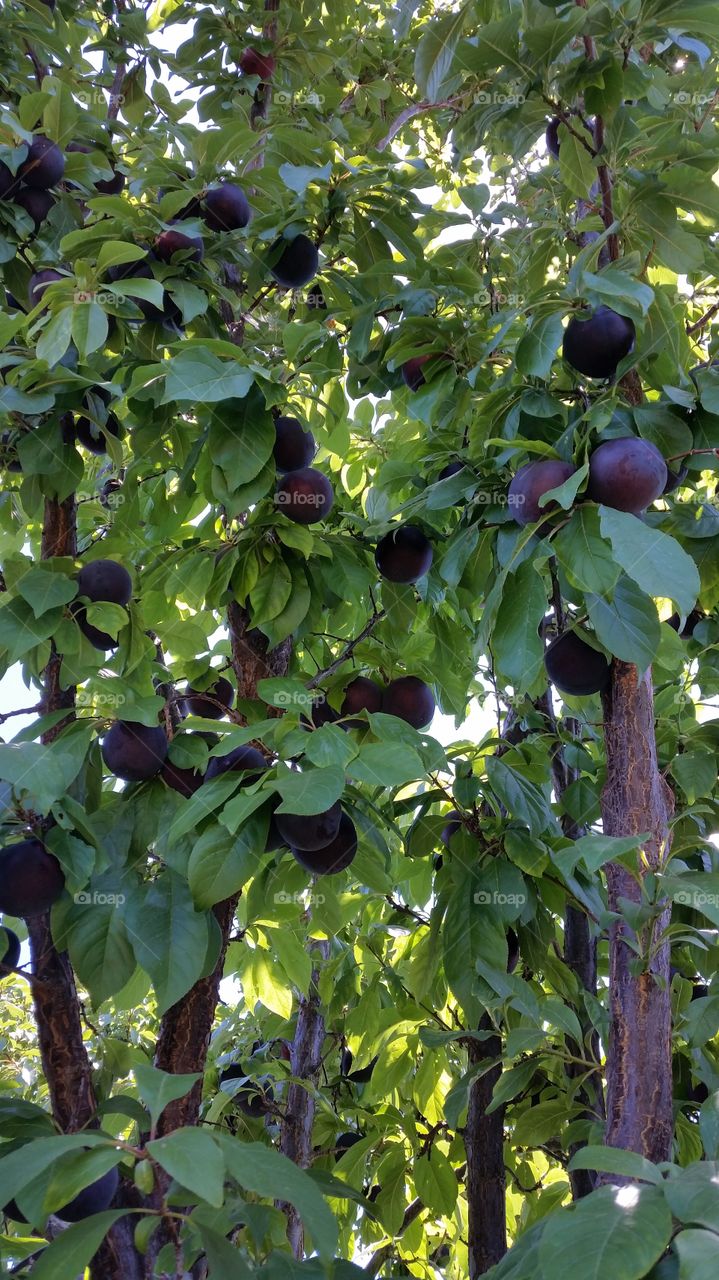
point(635, 800)
point(484, 1144)
point(64, 1058)
point(298, 1119)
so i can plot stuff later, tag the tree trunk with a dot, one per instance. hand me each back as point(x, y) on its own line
point(484, 1144)
point(299, 1115)
point(636, 799)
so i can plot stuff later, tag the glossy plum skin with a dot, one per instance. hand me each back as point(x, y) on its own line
point(333, 857)
point(226, 208)
point(627, 474)
point(594, 346)
point(134, 752)
point(309, 832)
point(404, 554)
point(574, 667)
point(411, 700)
point(304, 496)
point(105, 580)
point(31, 879)
point(294, 446)
point(296, 264)
point(530, 484)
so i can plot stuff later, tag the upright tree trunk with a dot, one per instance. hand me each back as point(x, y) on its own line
point(299, 1114)
point(484, 1144)
point(635, 800)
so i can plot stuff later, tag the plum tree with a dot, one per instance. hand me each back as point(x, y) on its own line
point(412, 371)
point(253, 1097)
point(410, 699)
point(43, 165)
point(31, 878)
point(321, 713)
point(171, 241)
point(333, 857)
point(361, 694)
point(244, 759)
point(226, 208)
point(94, 1198)
point(203, 702)
point(133, 751)
point(254, 63)
point(105, 580)
point(94, 425)
point(595, 343)
point(40, 281)
point(294, 447)
point(295, 264)
point(11, 954)
point(530, 484)
point(404, 554)
point(627, 474)
point(575, 667)
point(675, 478)
point(304, 496)
point(309, 831)
point(37, 204)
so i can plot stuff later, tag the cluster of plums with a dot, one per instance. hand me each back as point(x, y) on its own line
point(303, 494)
point(407, 697)
point(29, 189)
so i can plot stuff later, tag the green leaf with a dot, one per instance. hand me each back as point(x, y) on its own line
point(202, 377)
point(522, 798)
point(607, 1235)
point(436, 51)
point(697, 1252)
point(262, 1170)
point(193, 1158)
point(538, 346)
point(693, 1195)
point(516, 642)
point(158, 1088)
point(170, 938)
point(220, 864)
point(69, 1254)
point(628, 625)
point(653, 559)
point(614, 1160)
point(312, 791)
point(436, 1182)
point(585, 556)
